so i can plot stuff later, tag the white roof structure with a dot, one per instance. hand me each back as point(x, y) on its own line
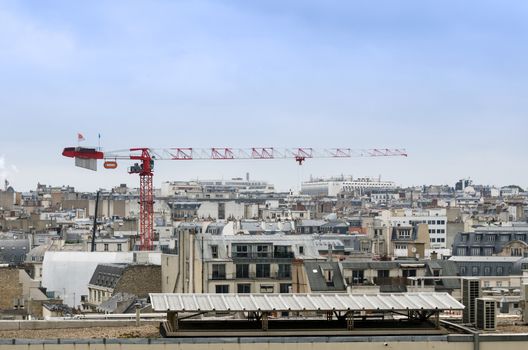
point(302, 302)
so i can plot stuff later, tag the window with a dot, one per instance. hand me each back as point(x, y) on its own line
point(487, 270)
point(358, 276)
point(222, 288)
point(404, 234)
point(243, 288)
point(488, 251)
point(383, 273)
point(284, 271)
point(475, 251)
point(328, 275)
point(500, 271)
point(263, 270)
point(285, 288)
point(486, 284)
point(463, 270)
point(266, 289)
point(219, 271)
point(491, 238)
point(242, 271)
point(516, 252)
point(262, 251)
point(119, 247)
point(401, 246)
point(241, 251)
point(301, 250)
point(498, 283)
point(461, 251)
point(214, 251)
point(409, 273)
point(106, 247)
point(475, 271)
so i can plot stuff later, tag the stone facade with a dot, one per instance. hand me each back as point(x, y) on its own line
point(139, 280)
point(10, 288)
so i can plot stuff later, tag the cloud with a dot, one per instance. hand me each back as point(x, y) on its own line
point(6, 170)
point(24, 40)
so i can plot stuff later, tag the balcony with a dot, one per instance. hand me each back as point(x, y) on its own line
point(263, 255)
point(251, 276)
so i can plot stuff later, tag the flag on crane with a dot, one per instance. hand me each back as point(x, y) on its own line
point(80, 137)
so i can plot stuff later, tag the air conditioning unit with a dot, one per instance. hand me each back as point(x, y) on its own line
point(486, 314)
point(470, 292)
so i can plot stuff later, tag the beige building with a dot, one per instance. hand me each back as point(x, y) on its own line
point(234, 263)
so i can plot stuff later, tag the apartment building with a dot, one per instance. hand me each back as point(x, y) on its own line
point(436, 220)
point(207, 263)
point(493, 241)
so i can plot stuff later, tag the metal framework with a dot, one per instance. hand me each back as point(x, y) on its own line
point(418, 307)
point(87, 157)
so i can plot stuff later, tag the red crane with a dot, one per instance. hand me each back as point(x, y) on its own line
point(87, 158)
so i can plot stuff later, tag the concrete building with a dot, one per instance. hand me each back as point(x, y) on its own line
point(436, 220)
point(333, 186)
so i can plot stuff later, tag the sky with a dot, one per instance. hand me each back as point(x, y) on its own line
point(446, 80)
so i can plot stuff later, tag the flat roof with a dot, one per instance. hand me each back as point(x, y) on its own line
point(302, 302)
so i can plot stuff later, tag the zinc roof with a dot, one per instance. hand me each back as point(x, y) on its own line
point(302, 302)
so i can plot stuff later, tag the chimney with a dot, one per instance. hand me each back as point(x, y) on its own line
point(434, 255)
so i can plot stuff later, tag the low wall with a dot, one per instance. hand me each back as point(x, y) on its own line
point(445, 342)
point(61, 324)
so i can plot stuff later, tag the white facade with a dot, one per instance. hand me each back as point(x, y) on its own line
point(436, 219)
point(331, 187)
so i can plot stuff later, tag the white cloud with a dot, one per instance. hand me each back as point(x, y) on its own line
point(6, 170)
point(24, 40)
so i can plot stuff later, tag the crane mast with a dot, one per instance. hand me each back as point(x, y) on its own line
point(145, 157)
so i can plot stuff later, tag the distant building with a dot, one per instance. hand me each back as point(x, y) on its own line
point(492, 241)
point(333, 186)
point(436, 220)
point(111, 279)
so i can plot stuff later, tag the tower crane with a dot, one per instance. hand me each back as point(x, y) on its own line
point(145, 157)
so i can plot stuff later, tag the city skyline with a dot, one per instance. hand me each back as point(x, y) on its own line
point(445, 81)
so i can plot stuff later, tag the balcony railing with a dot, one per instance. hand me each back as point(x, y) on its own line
point(252, 276)
point(262, 255)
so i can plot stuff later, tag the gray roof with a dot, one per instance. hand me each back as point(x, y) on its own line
point(107, 275)
point(13, 251)
point(316, 278)
point(303, 302)
point(118, 303)
point(369, 264)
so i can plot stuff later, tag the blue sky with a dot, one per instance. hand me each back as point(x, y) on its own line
point(445, 79)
